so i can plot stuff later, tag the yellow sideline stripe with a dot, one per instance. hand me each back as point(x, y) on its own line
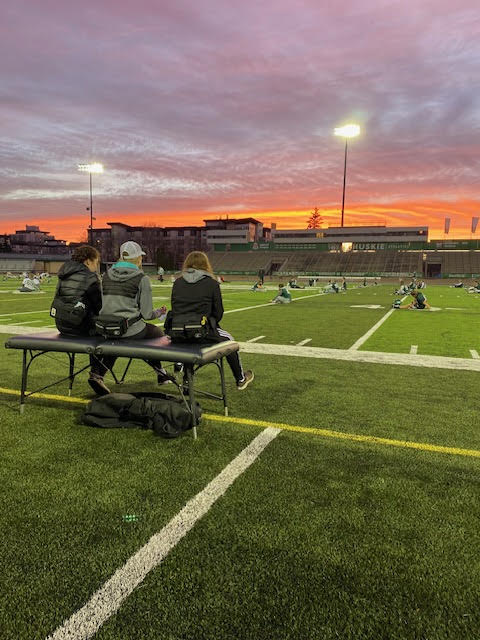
point(47, 396)
point(325, 433)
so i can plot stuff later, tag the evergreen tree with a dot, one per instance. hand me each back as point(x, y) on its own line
point(315, 220)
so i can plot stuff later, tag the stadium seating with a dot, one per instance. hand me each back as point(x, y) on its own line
point(319, 262)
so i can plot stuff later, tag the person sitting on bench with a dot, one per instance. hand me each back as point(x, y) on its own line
point(197, 293)
point(78, 299)
point(127, 294)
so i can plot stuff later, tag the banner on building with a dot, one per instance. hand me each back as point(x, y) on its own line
point(447, 225)
point(474, 224)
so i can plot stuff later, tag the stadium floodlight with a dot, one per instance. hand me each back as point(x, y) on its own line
point(347, 131)
point(93, 167)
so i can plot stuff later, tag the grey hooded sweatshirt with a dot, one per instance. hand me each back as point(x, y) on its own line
point(127, 292)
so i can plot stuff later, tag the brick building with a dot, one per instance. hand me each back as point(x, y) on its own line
point(165, 246)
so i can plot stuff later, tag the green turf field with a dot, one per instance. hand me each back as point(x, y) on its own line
point(358, 520)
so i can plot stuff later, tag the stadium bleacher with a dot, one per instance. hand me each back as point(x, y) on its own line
point(357, 263)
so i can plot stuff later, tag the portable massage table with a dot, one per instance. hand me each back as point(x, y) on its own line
point(192, 356)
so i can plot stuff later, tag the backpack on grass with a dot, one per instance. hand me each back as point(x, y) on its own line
point(166, 415)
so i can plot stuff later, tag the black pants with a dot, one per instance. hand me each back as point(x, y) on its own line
point(100, 366)
point(233, 359)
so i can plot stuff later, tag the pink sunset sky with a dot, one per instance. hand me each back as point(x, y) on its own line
point(199, 109)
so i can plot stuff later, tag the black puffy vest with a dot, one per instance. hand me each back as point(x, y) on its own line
point(74, 281)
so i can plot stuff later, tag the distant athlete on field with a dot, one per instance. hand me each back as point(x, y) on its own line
point(402, 289)
point(419, 301)
point(475, 288)
point(283, 296)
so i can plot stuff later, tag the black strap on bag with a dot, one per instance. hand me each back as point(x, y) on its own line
point(188, 327)
point(110, 326)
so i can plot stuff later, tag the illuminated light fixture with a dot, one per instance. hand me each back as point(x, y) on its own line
point(347, 131)
point(93, 167)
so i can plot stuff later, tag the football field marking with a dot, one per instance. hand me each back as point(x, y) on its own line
point(356, 345)
point(18, 328)
point(413, 349)
point(85, 622)
point(283, 426)
point(374, 357)
point(302, 342)
point(22, 313)
point(255, 339)
point(474, 353)
point(271, 304)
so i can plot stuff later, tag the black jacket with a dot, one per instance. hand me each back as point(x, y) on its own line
point(76, 283)
point(197, 292)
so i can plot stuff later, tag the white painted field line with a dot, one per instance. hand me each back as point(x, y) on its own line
point(22, 313)
point(302, 342)
point(270, 304)
point(375, 357)
point(85, 622)
point(16, 329)
point(356, 345)
point(474, 353)
point(28, 322)
point(255, 339)
point(414, 349)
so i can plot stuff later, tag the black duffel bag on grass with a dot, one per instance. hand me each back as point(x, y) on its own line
point(166, 415)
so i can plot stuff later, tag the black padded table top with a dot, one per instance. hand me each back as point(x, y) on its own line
point(150, 350)
point(54, 341)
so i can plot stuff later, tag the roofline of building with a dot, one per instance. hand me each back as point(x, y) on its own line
point(35, 256)
point(233, 220)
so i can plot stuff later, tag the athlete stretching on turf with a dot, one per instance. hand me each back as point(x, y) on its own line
point(419, 301)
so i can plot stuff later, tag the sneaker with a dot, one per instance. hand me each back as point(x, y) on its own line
point(178, 367)
point(98, 385)
point(247, 378)
point(164, 378)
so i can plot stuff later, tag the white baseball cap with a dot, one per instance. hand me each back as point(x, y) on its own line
point(131, 249)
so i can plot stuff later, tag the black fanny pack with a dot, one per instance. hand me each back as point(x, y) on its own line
point(113, 326)
point(68, 314)
point(188, 328)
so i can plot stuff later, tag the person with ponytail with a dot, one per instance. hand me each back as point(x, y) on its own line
point(198, 292)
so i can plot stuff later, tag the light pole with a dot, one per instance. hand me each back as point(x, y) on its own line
point(348, 131)
point(94, 167)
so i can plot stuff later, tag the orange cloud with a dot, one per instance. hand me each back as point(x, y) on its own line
point(415, 213)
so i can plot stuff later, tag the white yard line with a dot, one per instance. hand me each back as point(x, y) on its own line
point(270, 304)
point(414, 349)
point(22, 313)
point(356, 345)
point(85, 622)
point(474, 353)
point(16, 329)
point(376, 357)
point(255, 339)
point(302, 342)
point(28, 322)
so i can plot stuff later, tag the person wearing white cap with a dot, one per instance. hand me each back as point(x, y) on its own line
point(127, 293)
